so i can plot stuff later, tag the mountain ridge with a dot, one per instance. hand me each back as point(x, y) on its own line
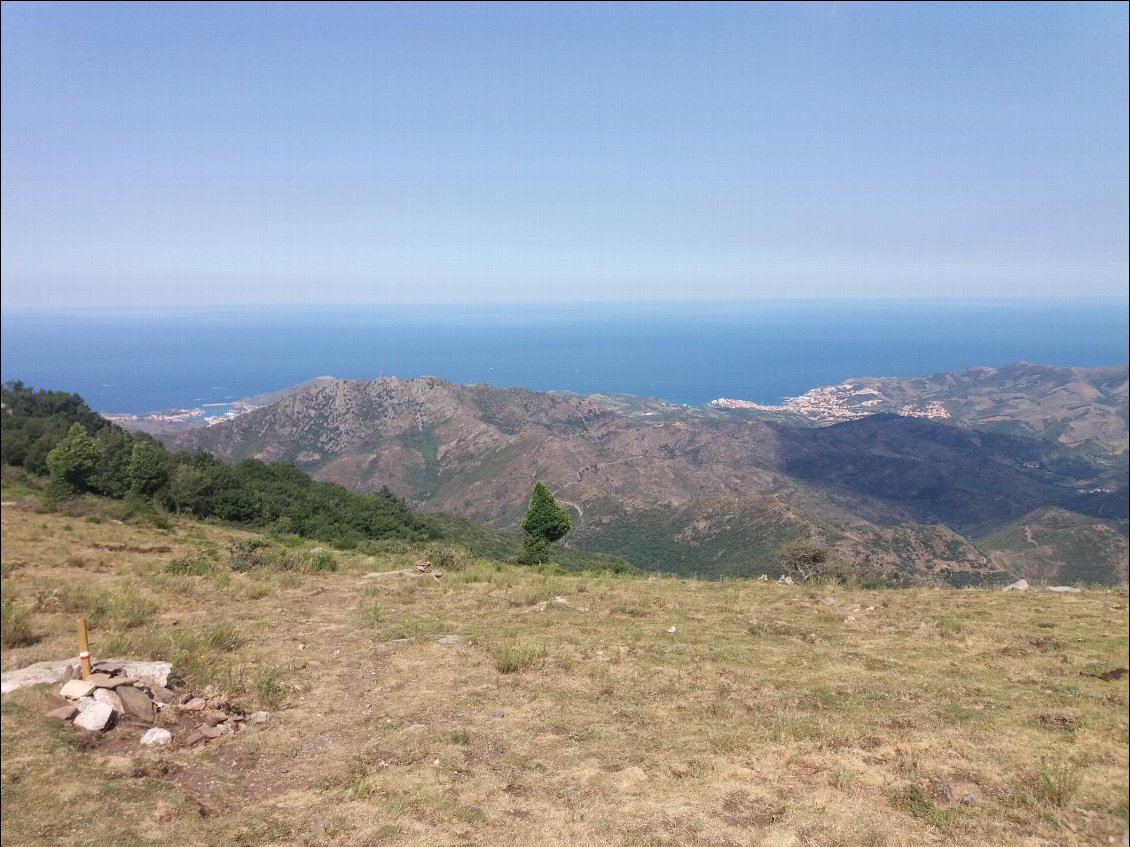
point(899, 494)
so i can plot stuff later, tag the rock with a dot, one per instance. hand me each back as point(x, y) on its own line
point(182, 698)
point(82, 703)
point(69, 673)
point(162, 694)
point(1019, 585)
point(196, 704)
point(259, 718)
point(672, 630)
point(194, 739)
point(105, 695)
point(76, 689)
point(95, 717)
point(156, 737)
point(64, 713)
point(37, 674)
point(136, 704)
point(214, 717)
point(451, 639)
point(109, 666)
point(209, 731)
point(968, 799)
point(763, 578)
point(103, 680)
point(151, 673)
point(785, 580)
point(1065, 589)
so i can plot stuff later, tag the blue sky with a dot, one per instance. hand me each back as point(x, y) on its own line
point(223, 153)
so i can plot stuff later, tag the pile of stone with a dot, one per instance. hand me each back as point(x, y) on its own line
point(138, 692)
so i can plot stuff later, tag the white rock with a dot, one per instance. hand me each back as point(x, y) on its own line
point(672, 629)
point(110, 698)
point(156, 737)
point(76, 689)
point(84, 702)
point(1065, 589)
point(151, 673)
point(763, 578)
point(1019, 585)
point(786, 580)
point(37, 674)
point(95, 717)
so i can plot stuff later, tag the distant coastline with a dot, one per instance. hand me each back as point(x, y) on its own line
point(134, 362)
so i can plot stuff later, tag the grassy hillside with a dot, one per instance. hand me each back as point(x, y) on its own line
point(633, 711)
point(1053, 545)
point(502, 546)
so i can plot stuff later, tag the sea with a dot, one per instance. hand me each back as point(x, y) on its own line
point(143, 360)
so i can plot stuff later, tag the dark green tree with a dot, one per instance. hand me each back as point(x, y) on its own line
point(115, 446)
point(73, 462)
point(545, 522)
point(148, 467)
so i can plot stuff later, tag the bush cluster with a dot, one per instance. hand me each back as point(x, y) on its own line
point(56, 434)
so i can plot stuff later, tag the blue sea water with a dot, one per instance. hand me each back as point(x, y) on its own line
point(140, 361)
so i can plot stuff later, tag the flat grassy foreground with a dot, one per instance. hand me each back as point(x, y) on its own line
point(637, 712)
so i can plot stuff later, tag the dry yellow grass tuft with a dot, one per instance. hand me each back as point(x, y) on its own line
point(569, 709)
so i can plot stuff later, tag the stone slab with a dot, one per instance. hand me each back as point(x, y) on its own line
point(96, 717)
point(111, 699)
point(152, 673)
point(64, 713)
point(37, 674)
point(156, 737)
point(136, 704)
point(103, 680)
point(76, 689)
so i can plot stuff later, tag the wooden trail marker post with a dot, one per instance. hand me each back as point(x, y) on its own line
point(83, 647)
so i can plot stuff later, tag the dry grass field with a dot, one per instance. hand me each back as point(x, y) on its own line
point(572, 709)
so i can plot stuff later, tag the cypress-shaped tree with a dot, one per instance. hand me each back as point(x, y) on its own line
point(545, 522)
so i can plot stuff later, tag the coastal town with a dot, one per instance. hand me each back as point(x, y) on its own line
point(832, 403)
point(172, 420)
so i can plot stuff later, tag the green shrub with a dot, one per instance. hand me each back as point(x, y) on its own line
point(200, 565)
point(318, 560)
point(15, 625)
point(258, 553)
point(128, 611)
point(269, 687)
point(1057, 783)
point(449, 557)
point(347, 541)
point(224, 637)
point(508, 659)
point(923, 808)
